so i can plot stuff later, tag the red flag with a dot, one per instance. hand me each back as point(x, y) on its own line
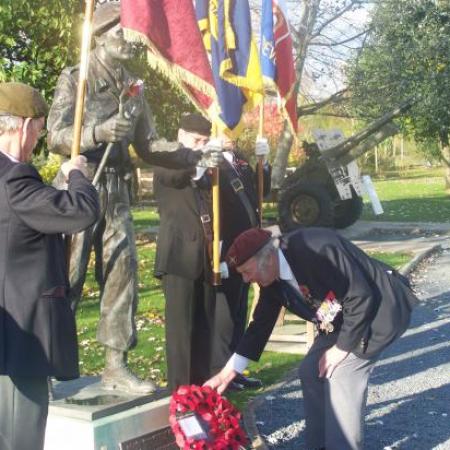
point(169, 30)
point(277, 60)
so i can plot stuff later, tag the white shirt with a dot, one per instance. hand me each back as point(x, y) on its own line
point(10, 157)
point(238, 362)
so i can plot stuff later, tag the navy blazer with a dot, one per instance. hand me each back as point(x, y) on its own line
point(37, 326)
point(376, 300)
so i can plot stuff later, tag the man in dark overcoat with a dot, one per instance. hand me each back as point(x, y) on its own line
point(37, 327)
point(359, 304)
point(182, 262)
point(202, 328)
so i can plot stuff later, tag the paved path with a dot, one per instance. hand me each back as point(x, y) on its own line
point(409, 394)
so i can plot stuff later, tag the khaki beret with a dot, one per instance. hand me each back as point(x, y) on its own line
point(18, 99)
point(105, 17)
point(195, 123)
point(246, 245)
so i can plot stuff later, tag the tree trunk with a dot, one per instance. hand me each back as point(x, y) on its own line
point(281, 158)
point(445, 158)
point(305, 30)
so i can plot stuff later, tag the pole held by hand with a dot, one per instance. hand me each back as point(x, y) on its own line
point(260, 166)
point(82, 80)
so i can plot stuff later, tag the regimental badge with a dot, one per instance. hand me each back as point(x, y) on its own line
point(327, 312)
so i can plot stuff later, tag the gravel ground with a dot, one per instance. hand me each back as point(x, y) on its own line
point(409, 393)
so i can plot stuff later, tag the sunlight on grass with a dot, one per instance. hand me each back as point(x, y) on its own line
point(394, 259)
point(411, 200)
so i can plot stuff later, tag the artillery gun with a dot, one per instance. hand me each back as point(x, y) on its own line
point(326, 189)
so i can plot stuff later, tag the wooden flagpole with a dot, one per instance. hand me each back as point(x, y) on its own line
point(81, 93)
point(260, 165)
point(82, 80)
point(216, 281)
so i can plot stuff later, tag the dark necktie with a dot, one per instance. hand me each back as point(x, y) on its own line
point(295, 302)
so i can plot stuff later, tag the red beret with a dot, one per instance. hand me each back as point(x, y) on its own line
point(246, 245)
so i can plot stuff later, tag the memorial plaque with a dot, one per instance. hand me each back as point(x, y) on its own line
point(158, 440)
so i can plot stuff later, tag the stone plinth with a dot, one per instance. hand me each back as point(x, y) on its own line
point(83, 416)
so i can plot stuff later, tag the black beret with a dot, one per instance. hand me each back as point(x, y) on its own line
point(195, 123)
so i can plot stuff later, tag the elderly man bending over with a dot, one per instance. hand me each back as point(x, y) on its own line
point(359, 304)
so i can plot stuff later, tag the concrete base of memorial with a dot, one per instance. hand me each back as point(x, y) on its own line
point(83, 416)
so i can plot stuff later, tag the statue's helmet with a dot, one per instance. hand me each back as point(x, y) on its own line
point(106, 16)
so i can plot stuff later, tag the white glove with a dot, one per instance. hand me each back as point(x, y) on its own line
point(213, 145)
point(212, 154)
point(262, 147)
point(224, 273)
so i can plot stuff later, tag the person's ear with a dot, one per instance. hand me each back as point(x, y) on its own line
point(26, 139)
point(180, 135)
point(27, 126)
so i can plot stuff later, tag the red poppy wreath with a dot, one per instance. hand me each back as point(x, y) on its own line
point(201, 420)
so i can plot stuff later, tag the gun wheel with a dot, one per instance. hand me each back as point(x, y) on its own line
point(305, 205)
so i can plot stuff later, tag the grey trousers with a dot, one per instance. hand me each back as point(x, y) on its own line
point(334, 407)
point(23, 412)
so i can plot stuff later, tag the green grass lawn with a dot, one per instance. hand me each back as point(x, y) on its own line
point(419, 197)
point(416, 195)
point(394, 259)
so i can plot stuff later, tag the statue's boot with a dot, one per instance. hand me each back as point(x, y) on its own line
point(117, 375)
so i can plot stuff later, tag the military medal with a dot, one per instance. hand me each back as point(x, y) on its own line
point(327, 312)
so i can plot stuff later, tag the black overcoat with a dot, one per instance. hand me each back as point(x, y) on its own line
point(37, 326)
point(376, 300)
point(180, 247)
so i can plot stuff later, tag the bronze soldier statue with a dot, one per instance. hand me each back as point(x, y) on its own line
point(114, 119)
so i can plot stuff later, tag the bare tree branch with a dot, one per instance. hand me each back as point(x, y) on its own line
point(336, 43)
point(304, 110)
point(340, 13)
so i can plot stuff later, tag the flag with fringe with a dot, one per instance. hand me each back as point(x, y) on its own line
point(277, 61)
point(227, 34)
point(169, 30)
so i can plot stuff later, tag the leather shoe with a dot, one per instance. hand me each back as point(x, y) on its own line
point(234, 386)
point(248, 382)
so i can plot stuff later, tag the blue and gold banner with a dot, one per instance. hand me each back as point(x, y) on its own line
point(227, 34)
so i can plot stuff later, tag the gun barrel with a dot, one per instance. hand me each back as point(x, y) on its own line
point(345, 147)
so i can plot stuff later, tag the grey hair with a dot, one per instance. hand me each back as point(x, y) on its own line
point(262, 256)
point(9, 123)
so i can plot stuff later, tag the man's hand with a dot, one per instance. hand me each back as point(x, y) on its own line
point(78, 163)
point(221, 381)
point(262, 147)
point(330, 360)
point(212, 154)
point(114, 129)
